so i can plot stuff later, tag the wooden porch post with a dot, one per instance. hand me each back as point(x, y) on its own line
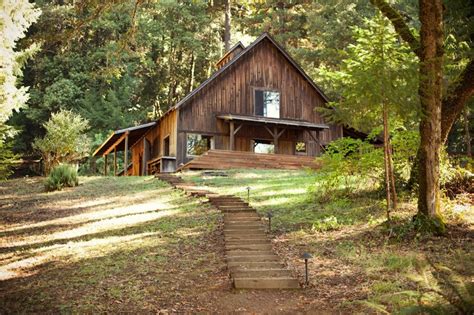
point(115, 161)
point(231, 127)
point(144, 158)
point(125, 152)
point(105, 164)
point(275, 139)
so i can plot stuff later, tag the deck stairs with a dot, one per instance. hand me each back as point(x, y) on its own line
point(225, 159)
point(251, 261)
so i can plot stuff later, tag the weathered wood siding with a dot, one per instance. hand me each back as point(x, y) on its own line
point(229, 57)
point(155, 136)
point(233, 92)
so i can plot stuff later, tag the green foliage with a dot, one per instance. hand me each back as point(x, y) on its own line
point(460, 181)
point(350, 164)
point(117, 64)
point(16, 17)
point(63, 175)
point(377, 71)
point(404, 146)
point(6, 154)
point(65, 140)
point(326, 224)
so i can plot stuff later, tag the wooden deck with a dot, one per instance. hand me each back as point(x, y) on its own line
point(223, 159)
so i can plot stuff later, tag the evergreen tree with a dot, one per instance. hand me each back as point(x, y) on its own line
point(378, 85)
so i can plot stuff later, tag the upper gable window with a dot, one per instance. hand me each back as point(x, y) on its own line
point(267, 103)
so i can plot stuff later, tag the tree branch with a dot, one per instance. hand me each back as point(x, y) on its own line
point(399, 24)
point(458, 94)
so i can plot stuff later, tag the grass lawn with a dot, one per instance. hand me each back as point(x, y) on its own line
point(117, 244)
point(358, 264)
point(136, 245)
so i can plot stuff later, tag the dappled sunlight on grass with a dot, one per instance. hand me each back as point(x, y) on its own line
point(109, 224)
point(101, 217)
point(294, 191)
point(97, 214)
point(75, 251)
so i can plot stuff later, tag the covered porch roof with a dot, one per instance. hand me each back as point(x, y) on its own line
point(260, 120)
point(115, 140)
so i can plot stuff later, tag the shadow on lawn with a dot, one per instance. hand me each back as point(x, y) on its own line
point(152, 273)
point(148, 207)
point(26, 203)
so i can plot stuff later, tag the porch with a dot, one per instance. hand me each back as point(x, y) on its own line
point(275, 128)
point(225, 159)
point(121, 141)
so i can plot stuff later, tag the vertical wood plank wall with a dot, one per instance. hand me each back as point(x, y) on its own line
point(233, 92)
point(165, 127)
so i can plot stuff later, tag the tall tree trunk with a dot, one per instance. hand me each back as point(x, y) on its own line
point(431, 61)
point(392, 176)
point(458, 92)
point(191, 75)
point(227, 28)
point(467, 135)
point(386, 162)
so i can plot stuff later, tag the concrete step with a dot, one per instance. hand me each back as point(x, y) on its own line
point(249, 241)
point(244, 220)
point(260, 273)
point(240, 210)
point(241, 215)
point(225, 197)
point(253, 258)
point(252, 233)
point(238, 227)
point(249, 227)
point(256, 252)
point(241, 265)
point(251, 224)
point(266, 283)
point(234, 207)
point(229, 202)
point(248, 247)
point(245, 237)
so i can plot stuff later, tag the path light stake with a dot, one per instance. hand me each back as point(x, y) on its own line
point(248, 194)
point(306, 257)
point(269, 216)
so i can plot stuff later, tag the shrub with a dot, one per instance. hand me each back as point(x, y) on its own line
point(61, 176)
point(460, 181)
point(348, 165)
point(65, 140)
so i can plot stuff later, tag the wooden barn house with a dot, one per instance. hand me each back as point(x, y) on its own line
point(257, 109)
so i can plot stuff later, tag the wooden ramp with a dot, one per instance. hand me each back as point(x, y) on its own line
point(250, 258)
point(223, 159)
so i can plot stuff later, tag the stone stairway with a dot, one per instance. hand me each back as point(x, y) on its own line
point(249, 254)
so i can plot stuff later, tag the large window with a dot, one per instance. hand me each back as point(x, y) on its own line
point(267, 103)
point(198, 144)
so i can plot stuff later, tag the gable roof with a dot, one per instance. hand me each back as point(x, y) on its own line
point(238, 57)
point(238, 45)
